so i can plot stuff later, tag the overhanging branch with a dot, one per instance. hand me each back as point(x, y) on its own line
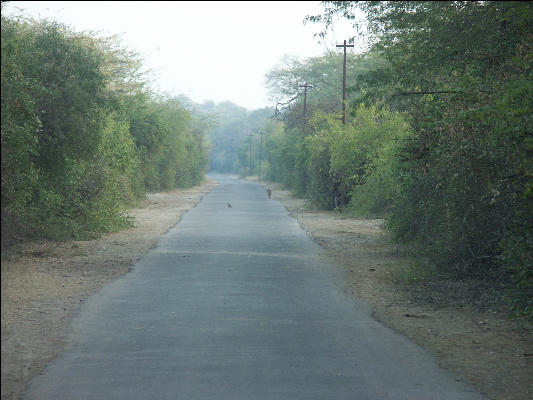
point(282, 107)
point(427, 92)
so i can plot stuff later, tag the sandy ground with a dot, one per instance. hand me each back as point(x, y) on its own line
point(44, 283)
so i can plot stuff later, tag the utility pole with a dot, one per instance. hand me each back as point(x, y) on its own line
point(260, 153)
point(250, 154)
point(305, 101)
point(344, 82)
point(345, 46)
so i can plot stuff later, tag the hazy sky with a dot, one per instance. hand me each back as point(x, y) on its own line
point(206, 50)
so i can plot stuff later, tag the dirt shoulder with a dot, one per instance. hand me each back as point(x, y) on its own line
point(44, 283)
point(455, 321)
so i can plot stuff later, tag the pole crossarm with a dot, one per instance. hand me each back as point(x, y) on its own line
point(345, 45)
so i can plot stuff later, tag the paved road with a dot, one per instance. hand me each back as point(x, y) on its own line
point(237, 303)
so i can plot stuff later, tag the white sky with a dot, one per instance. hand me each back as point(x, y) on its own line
point(206, 50)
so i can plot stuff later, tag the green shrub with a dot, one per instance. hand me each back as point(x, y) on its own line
point(82, 137)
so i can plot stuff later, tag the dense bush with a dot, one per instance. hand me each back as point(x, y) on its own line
point(82, 134)
point(468, 169)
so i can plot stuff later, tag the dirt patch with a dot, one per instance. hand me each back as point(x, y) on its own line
point(458, 322)
point(44, 283)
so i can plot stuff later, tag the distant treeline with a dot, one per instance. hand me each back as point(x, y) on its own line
point(83, 135)
point(438, 139)
point(233, 125)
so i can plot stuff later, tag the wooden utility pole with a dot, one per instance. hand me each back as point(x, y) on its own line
point(344, 82)
point(345, 46)
point(260, 154)
point(305, 102)
point(250, 155)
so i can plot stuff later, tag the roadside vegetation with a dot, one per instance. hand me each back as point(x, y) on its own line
point(83, 134)
point(438, 138)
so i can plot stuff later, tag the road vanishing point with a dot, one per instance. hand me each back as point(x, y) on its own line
point(237, 303)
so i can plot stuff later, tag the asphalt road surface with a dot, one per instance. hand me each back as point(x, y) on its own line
point(237, 303)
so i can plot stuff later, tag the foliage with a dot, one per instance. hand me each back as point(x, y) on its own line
point(20, 121)
point(82, 135)
point(352, 161)
point(461, 71)
point(374, 174)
